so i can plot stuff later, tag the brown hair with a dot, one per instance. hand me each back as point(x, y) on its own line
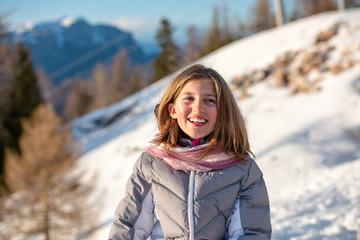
point(230, 132)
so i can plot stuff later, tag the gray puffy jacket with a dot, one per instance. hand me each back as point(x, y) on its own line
point(163, 203)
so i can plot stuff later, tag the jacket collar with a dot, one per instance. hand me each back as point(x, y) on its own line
point(185, 142)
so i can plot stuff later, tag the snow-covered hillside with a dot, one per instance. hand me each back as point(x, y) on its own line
point(307, 145)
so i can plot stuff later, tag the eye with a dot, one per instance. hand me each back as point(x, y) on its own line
point(210, 100)
point(188, 99)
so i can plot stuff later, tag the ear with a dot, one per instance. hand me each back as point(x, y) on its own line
point(172, 111)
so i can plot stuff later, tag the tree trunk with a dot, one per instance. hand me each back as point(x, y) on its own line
point(47, 226)
point(279, 13)
point(341, 5)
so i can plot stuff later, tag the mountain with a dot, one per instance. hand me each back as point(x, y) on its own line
point(68, 47)
point(307, 143)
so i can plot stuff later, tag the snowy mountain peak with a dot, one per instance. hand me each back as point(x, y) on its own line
point(71, 39)
point(67, 21)
point(20, 28)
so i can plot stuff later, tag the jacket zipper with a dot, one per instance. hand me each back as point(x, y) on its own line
point(191, 204)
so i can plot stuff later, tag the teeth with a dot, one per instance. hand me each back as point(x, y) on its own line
point(197, 120)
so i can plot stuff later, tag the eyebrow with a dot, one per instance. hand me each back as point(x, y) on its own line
point(206, 95)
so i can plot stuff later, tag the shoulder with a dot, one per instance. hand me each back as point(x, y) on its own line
point(249, 169)
point(148, 159)
point(246, 165)
point(143, 164)
point(149, 164)
point(144, 161)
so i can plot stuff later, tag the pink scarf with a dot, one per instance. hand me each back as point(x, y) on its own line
point(185, 158)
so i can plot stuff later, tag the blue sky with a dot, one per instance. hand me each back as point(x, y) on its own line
point(140, 17)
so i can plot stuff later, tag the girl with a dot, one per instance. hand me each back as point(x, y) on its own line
point(197, 180)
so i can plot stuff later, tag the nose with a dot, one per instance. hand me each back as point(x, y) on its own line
point(198, 106)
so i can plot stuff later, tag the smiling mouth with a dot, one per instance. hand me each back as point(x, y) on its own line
point(197, 120)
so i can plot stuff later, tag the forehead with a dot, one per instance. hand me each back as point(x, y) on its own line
point(198, 86)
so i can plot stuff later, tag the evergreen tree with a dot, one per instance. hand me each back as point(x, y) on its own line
point(5, 73)
point(167, 61)
point(22, 98)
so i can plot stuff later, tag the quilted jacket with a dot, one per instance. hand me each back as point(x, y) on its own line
point(163, 203)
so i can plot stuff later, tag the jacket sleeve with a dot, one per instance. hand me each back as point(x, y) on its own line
point(134, 214)
point(254, 206)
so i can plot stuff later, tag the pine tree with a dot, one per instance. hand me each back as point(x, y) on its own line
point(167, 61)
point(24, 97)
point(5, 79)
point(54, 203)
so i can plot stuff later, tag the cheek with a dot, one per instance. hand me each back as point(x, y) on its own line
point(182, 109)
point(215, 120)
point(214, 114)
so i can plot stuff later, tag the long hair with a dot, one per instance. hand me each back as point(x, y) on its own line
point(230, 132)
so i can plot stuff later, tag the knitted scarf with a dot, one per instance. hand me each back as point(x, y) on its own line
point(189, 158)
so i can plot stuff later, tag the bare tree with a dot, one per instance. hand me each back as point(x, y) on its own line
point(47, 200)
point(226, 32)
point(100, 86)
point(193, 48)
point(263, 18)
point(352, 3)
point(79, 100)
point(311, 7)
point(242, 29)
point(120, 76)
point(45, 83)
point(107, 84)
point(139, 78)
point(213, 39)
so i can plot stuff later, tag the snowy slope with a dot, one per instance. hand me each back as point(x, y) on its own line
point(307, 145)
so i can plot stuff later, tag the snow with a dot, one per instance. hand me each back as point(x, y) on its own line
point(67, 21)
point(307, 145)
point(20, 28)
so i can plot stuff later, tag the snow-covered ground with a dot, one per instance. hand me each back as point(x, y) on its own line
point(307, 145)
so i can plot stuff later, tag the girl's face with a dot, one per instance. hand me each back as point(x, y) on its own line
point(195, 108)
